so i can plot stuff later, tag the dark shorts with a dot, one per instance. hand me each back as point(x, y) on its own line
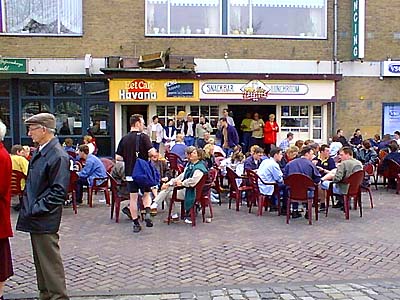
point(134, 188)
point(6, 267)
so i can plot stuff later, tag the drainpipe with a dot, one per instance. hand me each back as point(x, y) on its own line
point(335, 61)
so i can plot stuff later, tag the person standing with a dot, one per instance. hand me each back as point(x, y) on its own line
point(246, 129)
point(42, 204)
point(169, 135)
point(230, 137)
point(126, 151)
point(225, 114)
point(257, 126)
point(189, 131)
point(156, 132)
point(201, 129)
point(341, 138)
point(285, 144)
point(6, 268)
point(270, 131)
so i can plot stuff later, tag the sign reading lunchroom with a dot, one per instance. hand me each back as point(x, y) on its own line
point(134, 90)
point(13, 65)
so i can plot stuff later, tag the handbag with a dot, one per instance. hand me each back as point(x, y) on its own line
point(144, 174)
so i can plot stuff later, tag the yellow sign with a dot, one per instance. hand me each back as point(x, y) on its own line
point(135, 90)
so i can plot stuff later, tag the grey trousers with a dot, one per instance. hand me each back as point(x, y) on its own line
point(49, 267)
point(166, 195)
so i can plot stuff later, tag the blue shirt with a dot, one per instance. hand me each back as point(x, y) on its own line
point(93, 168)
point(269, 171)
point(284, 145)
point(251, 164)
point(179, 149)
point(304, 166)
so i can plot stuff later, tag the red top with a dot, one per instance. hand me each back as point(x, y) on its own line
point(270, 131)
point(5, 193)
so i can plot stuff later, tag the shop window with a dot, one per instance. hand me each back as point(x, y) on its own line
point(44, 17)
point(68, 114)
point(67, 89)
point(100, 119)
point(317, 122)
point(210, 112)
point(272, 18)
point(294, 118)
point(35, 88)
point(165, 112)
point(33, 107)
point(97, 88)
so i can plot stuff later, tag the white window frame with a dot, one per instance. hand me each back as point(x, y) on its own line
point(4, 23)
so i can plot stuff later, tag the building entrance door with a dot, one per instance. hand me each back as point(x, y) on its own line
point(128, 111)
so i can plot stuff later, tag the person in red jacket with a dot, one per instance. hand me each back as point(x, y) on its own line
point(270, 130)
point(6, 268)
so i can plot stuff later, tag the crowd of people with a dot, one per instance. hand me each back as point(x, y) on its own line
point(47, 179)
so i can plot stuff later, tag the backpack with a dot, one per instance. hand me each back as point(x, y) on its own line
point(144, 174)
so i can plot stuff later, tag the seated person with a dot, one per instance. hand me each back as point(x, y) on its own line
point(269, 171)
point(367, 154)
point(70, 148)
point(19, 162)
point(28, 151)
point(93, 168)
point(88, 140)
point(324, 162)
point(394, 155)
point(335, 146)
point(288, 156)
point(347, 166)
point(179, 147)
point(254, 160)
point(192, 174)
point(162, 167)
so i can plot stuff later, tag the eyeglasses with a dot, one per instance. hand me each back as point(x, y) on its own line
point(34, 128)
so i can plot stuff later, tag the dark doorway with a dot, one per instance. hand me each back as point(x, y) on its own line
point(238, 112)
point(135, 109)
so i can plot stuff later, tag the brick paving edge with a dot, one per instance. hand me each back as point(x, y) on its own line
point(198, 289)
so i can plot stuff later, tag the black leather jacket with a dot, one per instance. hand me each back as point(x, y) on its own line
point(46, 189)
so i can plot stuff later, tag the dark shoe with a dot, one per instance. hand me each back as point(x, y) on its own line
point(296, 214)
point(273, 208)
point(283, 211)
point(149, 222)
point(306, 215)
point(322, 207)
point(136, 228)
point(127, 212)
point(338, 205)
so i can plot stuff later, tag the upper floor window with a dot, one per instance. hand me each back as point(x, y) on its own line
point(41, 17)
point(238, 18)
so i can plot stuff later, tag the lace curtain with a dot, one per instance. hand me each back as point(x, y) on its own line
point(44, 16)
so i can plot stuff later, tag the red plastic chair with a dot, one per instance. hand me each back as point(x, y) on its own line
point(199, 193)
point(368, 172)
point(392, 172)
point(99, 184)
point(235, 191)
point(261, 199)
point(174, 163)
point(108, 164)
point(16, 178)
point(354, 181)
point(205, 199)
point(73, 178)
point(298, 186)
point(116, 196)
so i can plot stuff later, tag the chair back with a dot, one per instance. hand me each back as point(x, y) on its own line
point(298, 186)
point(392, 170)
point(253, 180)
point(174, 160)
point(73, 178)
point(382, 154)
point(231, 175)
point(354, 181)
point(200, 187)
point(108, 163)
point(369, 169)
point(16, 178)
point(72, 154)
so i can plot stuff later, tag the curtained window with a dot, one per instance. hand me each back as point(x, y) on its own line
point(41, 17)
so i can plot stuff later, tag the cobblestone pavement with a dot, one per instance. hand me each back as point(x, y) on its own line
point(237, 249)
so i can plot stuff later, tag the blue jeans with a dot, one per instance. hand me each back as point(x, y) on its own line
point(246, 141)
point(189, 140)
point(228, 151)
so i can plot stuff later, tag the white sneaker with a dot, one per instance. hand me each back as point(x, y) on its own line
point(188, 221)
point(153, 205)
point(175, 216)
point(214, 200)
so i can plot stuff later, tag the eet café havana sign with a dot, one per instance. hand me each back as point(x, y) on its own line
point(153, 90)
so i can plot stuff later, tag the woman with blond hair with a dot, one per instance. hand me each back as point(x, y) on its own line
point(271, 129)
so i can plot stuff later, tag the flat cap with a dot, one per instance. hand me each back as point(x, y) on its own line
point(45, 119)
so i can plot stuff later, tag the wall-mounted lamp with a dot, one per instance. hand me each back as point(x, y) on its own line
point(361, 98)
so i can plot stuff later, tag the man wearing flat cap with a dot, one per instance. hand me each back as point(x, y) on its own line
point(42, 204)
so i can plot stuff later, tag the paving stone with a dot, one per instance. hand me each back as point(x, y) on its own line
point(286, 297)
